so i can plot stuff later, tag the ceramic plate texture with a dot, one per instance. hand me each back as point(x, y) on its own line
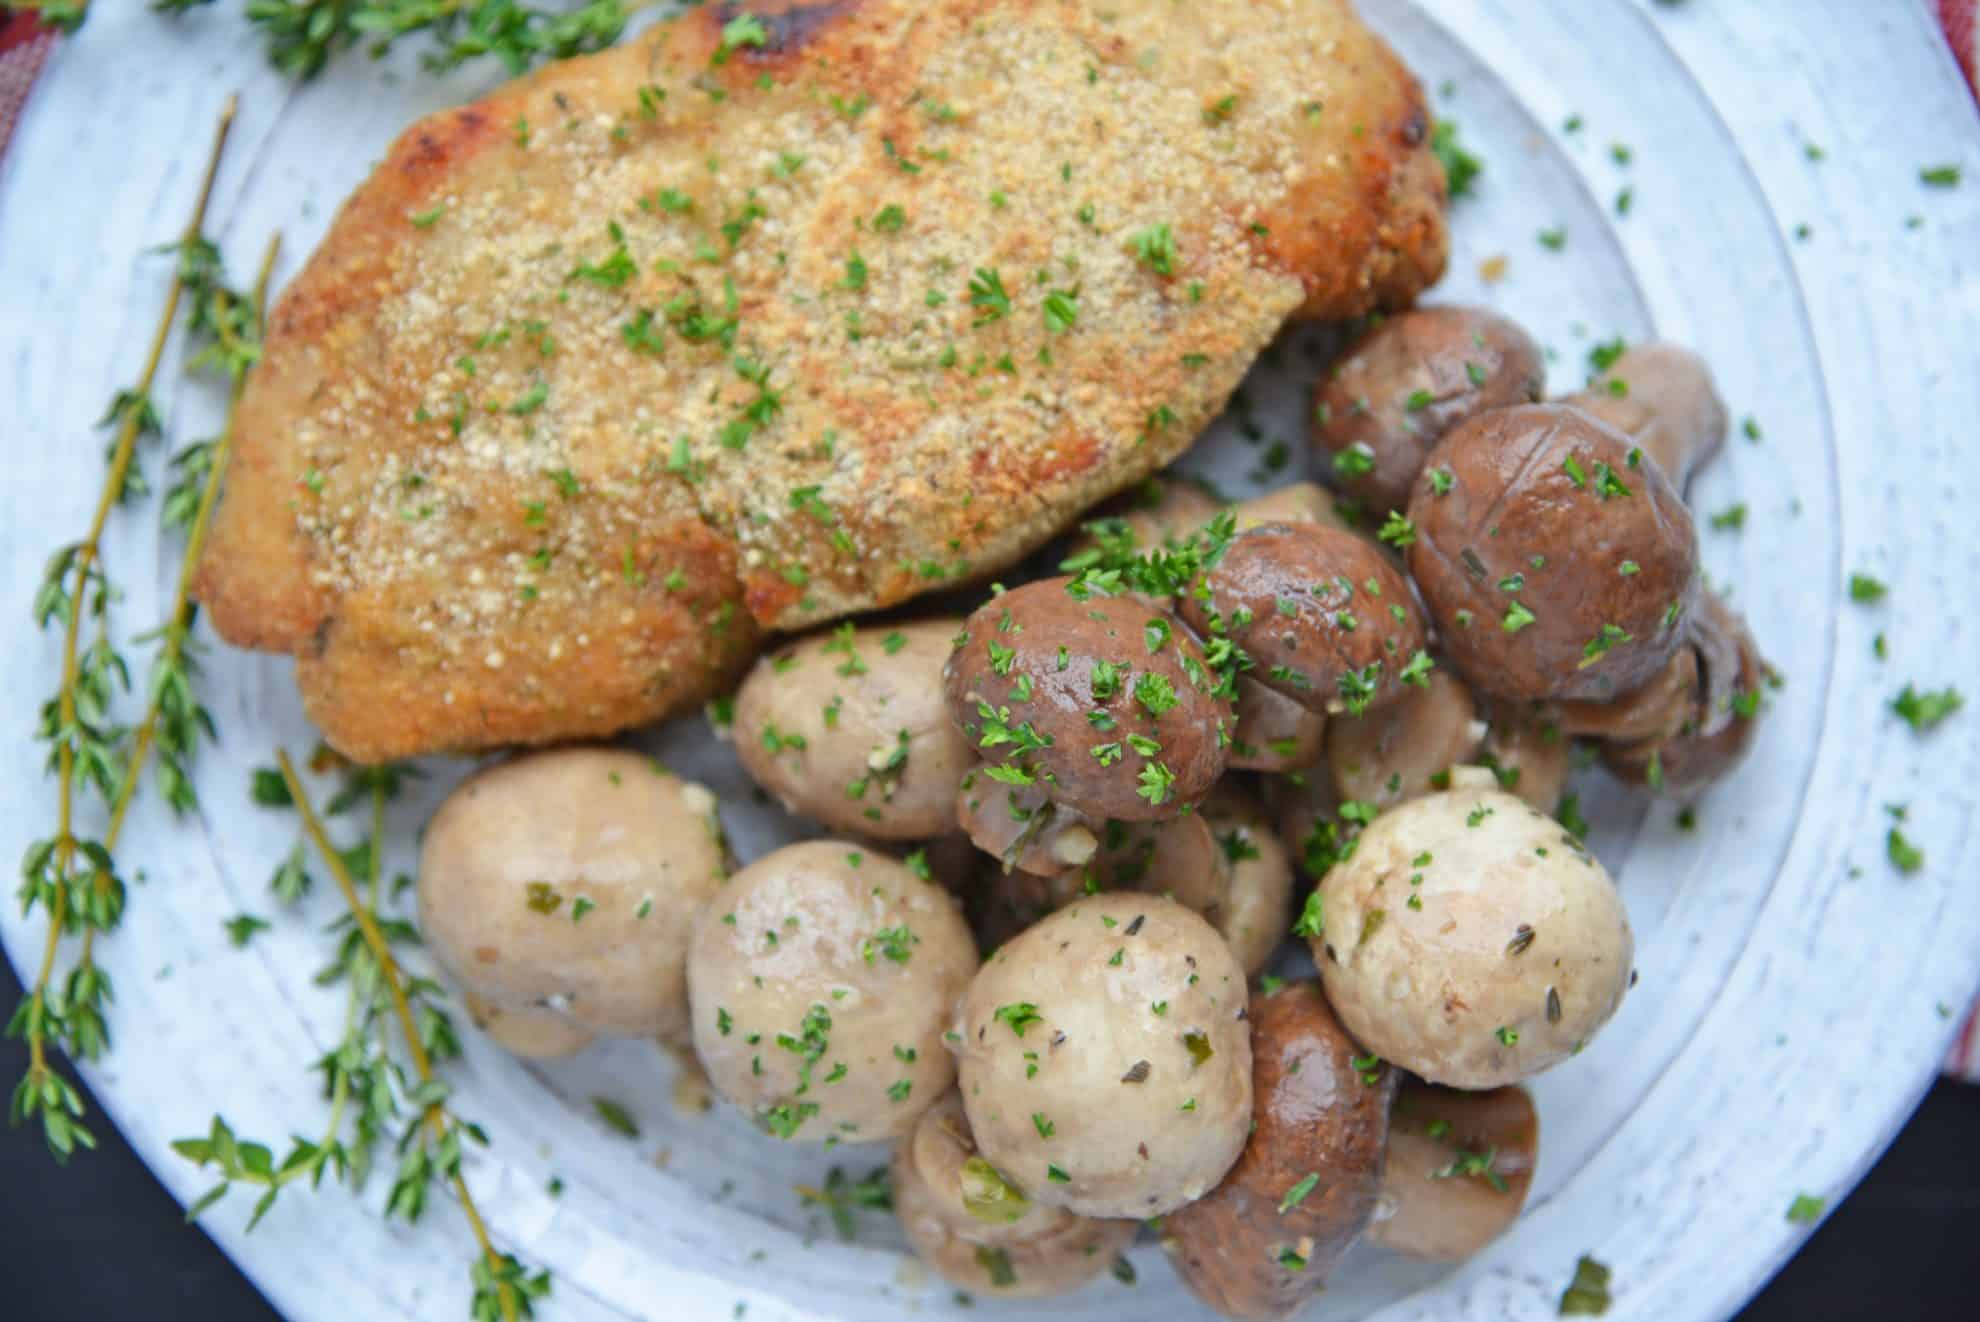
point(1795, 988)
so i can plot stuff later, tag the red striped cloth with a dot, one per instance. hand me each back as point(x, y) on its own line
point(25, 45)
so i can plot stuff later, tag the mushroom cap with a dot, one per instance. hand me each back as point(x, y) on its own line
point(1459, 1167)
point(1406, 383)
point(1326, 619)
point(1263, 1241)
point(1517, 953)
point(977, 1228)
point(565, 882)
point(850, 728)
point(1077, 687)
point(1128, 1076)
point(1552, 566)
point(822, 977)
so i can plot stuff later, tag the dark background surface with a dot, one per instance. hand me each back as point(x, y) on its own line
point(100, 1240)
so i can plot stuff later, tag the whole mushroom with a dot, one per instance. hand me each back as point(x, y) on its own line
point(1263, 1241)
point(967, 1220)
point(1555, 562)
point(822, 978)
point(1412, 377)
point(1471, 940)
point(1324, 617)
point(1105, 704)
point(1459, 1167)
point(1105, 1061)
point(849, 727)
point(1663, 399)
point(558, 889)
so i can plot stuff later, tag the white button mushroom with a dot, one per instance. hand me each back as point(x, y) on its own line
point(822, 977)
point(850, 728)
point(1106, 1058)
point(561, 886)
point(1472, 940)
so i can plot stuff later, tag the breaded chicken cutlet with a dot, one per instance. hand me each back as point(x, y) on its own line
point(776, 313)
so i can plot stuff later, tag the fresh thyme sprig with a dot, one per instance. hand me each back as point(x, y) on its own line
point(362, 1082)
point(362, 1070)
point(304, 35)
point(73, 878)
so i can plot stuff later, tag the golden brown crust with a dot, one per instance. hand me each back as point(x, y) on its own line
point(639, 339)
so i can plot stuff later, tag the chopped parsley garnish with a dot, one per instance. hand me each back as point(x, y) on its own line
point(1312, 919)
point(1460, 166)
point(1587, 1295)
point(1297, 1193)
point(1905, 856)
point(615, 1116)
point(895, 943)
point(1923, 711)
point(1019, 1016)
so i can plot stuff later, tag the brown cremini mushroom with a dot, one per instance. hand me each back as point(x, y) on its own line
point(1459, 1167)
point(1263, 1241)
point(1386, 402)
point(1104, 703)
point(1324, 617)
point(1554, 561)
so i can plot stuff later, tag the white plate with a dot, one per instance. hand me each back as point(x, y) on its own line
point(1795, 988)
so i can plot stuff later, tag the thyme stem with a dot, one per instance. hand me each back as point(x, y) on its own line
point(178, 626)
point(85, 557)
point(388, 969)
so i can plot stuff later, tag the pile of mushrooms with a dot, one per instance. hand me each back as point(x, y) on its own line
point(1062, 838)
